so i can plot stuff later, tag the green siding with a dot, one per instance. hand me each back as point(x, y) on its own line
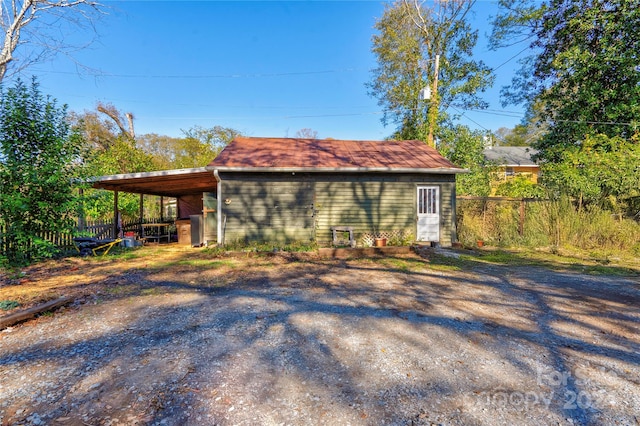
point(387, 203)
point(303, 206)
point(263, 209)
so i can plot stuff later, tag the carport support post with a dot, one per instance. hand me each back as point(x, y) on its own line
point(141, 213)
point(115, 214)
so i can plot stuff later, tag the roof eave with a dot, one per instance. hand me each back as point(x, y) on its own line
point(443, 170)
point(173, 172)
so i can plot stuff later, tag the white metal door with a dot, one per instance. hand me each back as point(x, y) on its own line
point(428, 228)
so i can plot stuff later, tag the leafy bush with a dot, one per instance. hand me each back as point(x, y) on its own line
point(520, 187)
point(39, 161)
point(464, 147)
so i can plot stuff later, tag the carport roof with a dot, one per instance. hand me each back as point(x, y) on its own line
point(168, 183)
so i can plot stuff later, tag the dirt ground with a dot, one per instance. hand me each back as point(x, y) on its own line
point(173, 336)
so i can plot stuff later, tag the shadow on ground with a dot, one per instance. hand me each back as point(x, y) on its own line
point(286, 338)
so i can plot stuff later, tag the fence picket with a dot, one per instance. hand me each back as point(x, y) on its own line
point(100, 228)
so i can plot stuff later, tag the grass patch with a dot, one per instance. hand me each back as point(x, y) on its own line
point(403, 265)
point(12, 273)
point(153, 291)
point(583, 263)
point(7, 305)
point(502, 257)
point(446, 264)
point(119, 253)
point(274, 247)
point(201, 263)
point(121, 290)
point(128, 253)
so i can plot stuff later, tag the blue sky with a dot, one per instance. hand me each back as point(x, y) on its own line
point(266, 68)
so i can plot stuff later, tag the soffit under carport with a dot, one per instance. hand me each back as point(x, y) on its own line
point(167, 183)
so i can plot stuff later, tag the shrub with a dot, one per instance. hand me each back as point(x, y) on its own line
point(546, 223)
point(39, 157)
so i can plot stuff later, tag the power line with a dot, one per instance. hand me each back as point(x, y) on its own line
point(462, 114)
point(497, 113)
point(244, 107)
point(207, 76)
point(282, 117)
point(510, 59)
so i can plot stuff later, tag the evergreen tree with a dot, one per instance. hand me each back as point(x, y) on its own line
point(40, 159)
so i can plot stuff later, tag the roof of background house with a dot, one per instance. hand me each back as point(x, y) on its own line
point(293, 154)
point(511, 155)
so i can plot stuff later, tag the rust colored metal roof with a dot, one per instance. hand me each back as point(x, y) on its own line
point(169, 183)
point(245, 153)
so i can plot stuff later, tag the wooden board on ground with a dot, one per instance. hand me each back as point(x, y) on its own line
point(16, 317)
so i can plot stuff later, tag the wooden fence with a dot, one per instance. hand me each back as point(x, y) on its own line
point(101, 229)
point(519, 206)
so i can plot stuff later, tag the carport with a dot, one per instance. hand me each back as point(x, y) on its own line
point(186, 185)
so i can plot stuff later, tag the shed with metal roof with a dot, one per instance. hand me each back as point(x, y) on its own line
point(285, 189)
point(292, 189)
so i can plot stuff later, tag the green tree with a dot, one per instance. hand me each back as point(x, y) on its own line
point(216, 137)
point(123, 156)
point(512, 137)
point(584, 71)
point(110, 148)
point(464, 147)
point(520, 187)
point(161, 149)
point(603, 171)
point(39, 163)
point(197, 149)
point(409, 40)
point(111, 144)
point(527, 133)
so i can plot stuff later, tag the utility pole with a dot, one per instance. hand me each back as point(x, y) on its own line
point(431, 94)
point(434, 104)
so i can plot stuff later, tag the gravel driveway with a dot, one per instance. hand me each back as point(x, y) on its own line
point(280, 340)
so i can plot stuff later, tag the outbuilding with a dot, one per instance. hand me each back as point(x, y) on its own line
point(286, 189)
point(291, 189)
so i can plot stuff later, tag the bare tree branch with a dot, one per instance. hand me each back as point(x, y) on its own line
point(441, 15)
point(306, 133)
point(18, 16)
point(113, 113)
point(132, 133)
